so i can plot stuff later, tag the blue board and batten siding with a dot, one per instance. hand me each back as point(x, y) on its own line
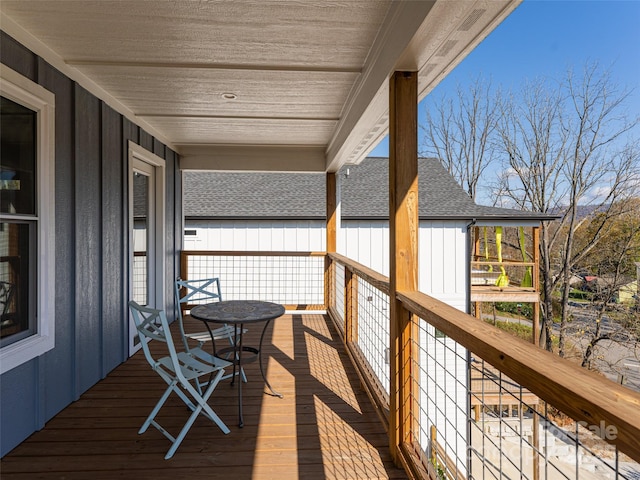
point(91, 172)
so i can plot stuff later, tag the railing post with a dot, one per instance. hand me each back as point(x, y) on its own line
point(184, 266)
point(332, 222)
point(403, 243)
point(535, 333)
point(434, 439)
point(477, 306)
point(332, 211)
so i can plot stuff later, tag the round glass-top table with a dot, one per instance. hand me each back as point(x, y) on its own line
point(237, 313)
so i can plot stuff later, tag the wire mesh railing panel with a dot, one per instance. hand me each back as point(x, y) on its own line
point(338, 289)
point(373, 330)
point(514, 433)
point(472, 421)
point(140, 293)
point(289, 280)
point(440, 393)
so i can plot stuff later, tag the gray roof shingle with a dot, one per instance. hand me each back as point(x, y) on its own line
point(364, 188)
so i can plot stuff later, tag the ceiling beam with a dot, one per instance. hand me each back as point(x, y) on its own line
point(257, 158)
point(402, 22)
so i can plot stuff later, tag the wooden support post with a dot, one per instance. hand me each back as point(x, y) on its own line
point(433, 434)
point(535, 333)
point(184, 275)
point(403, 243)
point(476, 244)
point(332, 220)
point(477, 306)
point(184, 266)
point(535, 234)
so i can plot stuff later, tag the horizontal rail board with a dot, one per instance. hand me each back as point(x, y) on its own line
point(374, 278)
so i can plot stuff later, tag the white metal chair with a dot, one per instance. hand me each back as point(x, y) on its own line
point(177, 369)
point(193, 292)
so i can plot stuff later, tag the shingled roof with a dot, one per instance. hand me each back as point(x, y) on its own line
point(225, 195)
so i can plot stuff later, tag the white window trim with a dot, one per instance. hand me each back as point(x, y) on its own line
point(25, 92)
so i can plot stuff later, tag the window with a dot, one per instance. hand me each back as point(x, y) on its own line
point(27, 274)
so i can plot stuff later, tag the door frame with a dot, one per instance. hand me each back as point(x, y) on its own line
point(137, 154)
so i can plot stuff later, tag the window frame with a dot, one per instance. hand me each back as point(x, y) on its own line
point(35, 97)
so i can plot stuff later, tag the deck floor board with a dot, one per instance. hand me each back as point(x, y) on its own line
point(324, 427)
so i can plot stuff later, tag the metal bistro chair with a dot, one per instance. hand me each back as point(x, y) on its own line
point(193, 292)
point(177, 369)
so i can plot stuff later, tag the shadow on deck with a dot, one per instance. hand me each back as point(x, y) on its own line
point(324, 427)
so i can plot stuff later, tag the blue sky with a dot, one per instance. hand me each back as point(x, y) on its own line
point(545, 38)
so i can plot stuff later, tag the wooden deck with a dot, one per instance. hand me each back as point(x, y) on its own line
point(323, 428)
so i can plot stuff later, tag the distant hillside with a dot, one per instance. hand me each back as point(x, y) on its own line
point(583, 210)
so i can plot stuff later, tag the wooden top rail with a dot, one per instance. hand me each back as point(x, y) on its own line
point(374, 278)
point(576, 391)
point(242, 253)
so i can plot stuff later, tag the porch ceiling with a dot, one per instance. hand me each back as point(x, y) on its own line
point(310, 77)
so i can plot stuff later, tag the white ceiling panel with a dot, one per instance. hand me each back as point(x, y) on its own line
point(304, 73)
point(202, 91)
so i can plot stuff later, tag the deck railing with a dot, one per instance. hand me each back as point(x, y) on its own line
point(294, 279)
point(472, 401)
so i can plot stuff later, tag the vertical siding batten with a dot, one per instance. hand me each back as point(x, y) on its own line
point(17, 57)
point(130, 132)
point(170, 230)
point(113, 258)
point(146, 140)
point(88, 239)
point(59, 377)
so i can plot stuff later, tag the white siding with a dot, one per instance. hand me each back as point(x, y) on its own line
point(256, 235)
point(443, 262)
point(367, 242)
point(443, 257)
point(442, 246)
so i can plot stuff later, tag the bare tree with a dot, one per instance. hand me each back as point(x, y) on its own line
point(614, 265)
point(533, 171)
point(459, 132)
point(562, 152)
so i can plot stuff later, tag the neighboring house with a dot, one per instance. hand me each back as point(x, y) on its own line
point(622, 290)
point(627, 293)
point(286, 212)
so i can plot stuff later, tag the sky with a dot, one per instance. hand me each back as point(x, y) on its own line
point(544, 38)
